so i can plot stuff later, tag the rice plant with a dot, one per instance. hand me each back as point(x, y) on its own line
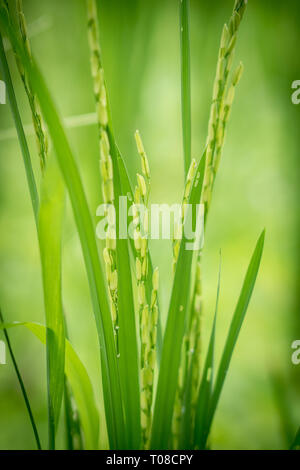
point(159, 391)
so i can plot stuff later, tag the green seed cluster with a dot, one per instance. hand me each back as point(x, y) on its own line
point(178, 406)
point(148, 315)
point(141, 223)
point(148, 343)
point(195, 333)
point(222, 99)
point(185, 348)
point(144, 159)
point(191, 355)
point(96, 66)
point(223, 95)
point(106, 166)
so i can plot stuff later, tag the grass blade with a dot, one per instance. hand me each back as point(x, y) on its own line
point(79, 381)
point(222, 99)
point(125, 315)
point(73, 434)
point(205, 390)
point(236, 323)
point(82, 390)
point(51, 216)
point(170, 360)
point(21, 383)
point(185, 83)
point(128, 360)
point(127, 189)
point(113, 401)
point(33, 195)
point(72, 423)
point(296, 443)
point(110, 375)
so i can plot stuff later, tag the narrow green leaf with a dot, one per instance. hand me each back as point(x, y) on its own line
point(84, 397)
point(185, 83)
point(110, 374)
point(79, 381)
point(205, 390)
point(33, 195)
point(186, 420)
point(21, 382)
point(127, 189)
point(49, 231)
point(73, 433)
point(128, 352)
point(296, 443)
point(237, 321)
point(127, 347)
point(20, 131)
point(112, 396)
point(170, 360)
point(31, 185)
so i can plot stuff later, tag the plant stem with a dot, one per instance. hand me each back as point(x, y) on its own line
point(22, 386)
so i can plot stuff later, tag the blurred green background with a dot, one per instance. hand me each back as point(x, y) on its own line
point(257, 186)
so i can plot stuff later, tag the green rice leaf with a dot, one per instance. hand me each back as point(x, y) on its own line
point(86, 230)
point(234, 330)
point(112, 395)
point(20, 131)
point(178, 311)
point(126, 340)
point(49, 215)
point(296, 443)
point(84, 397)
point(49, 231)
point(205, 390)
point(80, 382)
point(21, 382)
point(128, 350)
point(73, 435)
point(127, 189)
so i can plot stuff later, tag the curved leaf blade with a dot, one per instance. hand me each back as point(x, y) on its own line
point(49, 232)
point(79, 381)
point(178, 310)
point(110, 373)
point(20, 131)
point(185, 83)
point(21, 382)
point(235, 327)
point(296, 443)
point(205, 390)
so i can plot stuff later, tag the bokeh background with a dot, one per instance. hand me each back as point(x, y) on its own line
point(257, 186)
